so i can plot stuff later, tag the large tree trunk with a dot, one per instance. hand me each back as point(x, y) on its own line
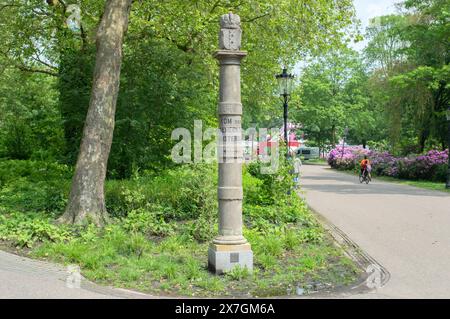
point(424, 134)
point(87, 199)
point(333, 136)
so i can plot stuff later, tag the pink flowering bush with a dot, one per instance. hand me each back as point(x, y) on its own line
point(346, 158)
point(430, 166)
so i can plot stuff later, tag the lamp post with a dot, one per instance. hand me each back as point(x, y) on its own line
point(447, 185)
point(343, 140)
point(285, 81)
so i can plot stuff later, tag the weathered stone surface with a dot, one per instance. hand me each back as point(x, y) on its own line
point(230, 153)
point(223, 258)
point(230, 33)
point(230, 21)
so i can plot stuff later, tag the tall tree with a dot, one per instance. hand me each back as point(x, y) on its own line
point(169, 76)
point(410, 70)
point(87, 199)
point(334, 95)
point(159, 94)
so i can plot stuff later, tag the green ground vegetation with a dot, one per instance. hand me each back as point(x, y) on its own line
point(160, 228)
point(436, 186)
point(420, 183)
point(315, 161)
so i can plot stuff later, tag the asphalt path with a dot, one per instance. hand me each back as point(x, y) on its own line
point(404, 228)
point(24, 278)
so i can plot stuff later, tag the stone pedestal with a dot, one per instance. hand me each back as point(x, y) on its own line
point(222, 258)
point(230, 248)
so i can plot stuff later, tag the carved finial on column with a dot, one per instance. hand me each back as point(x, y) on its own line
point(230, 32)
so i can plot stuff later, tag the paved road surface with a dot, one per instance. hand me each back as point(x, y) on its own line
point(25, 278)
point(406, 229)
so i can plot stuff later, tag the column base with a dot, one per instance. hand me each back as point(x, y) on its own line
point(223, 258)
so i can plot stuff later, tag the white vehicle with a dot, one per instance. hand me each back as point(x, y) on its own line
point(308, 152)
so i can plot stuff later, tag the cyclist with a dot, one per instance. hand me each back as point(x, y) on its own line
point(365, 166)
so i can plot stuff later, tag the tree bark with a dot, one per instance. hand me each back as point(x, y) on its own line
point(423, 139)
point(333, 136)
point(87, 199)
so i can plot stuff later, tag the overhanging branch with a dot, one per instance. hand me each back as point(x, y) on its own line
point(36, 70)
point(257, 17)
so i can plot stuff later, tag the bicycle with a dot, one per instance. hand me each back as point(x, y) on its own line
point(365, 177)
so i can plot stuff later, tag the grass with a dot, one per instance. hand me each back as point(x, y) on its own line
point(436, 186)
point(158, 239)
point(315, 161)
point(177, 265)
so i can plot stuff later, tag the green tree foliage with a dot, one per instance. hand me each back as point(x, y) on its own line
point(74, 85)
point(392, 97)
point(334, 95)
point(398, 94)
point(409, 57)
point(30, 123)
point(169, 75)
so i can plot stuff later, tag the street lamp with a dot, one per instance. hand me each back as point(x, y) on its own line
point(285, 82)
point(447, 185)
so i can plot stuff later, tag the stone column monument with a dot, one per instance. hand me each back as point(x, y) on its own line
point(230, 248)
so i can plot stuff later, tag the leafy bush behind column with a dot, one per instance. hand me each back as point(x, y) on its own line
point(182, 199)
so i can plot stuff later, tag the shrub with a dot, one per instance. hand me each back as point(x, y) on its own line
point(150, 222)
point(311, 235)
point(18, 140)
point(430, 166)
point(42, 196)
point(271, 186)
point(183, 193)
point(252, 188)
point(34, 185)
point(203, 229)
point(440, 174)
point(24, 230)
point(33, 171)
